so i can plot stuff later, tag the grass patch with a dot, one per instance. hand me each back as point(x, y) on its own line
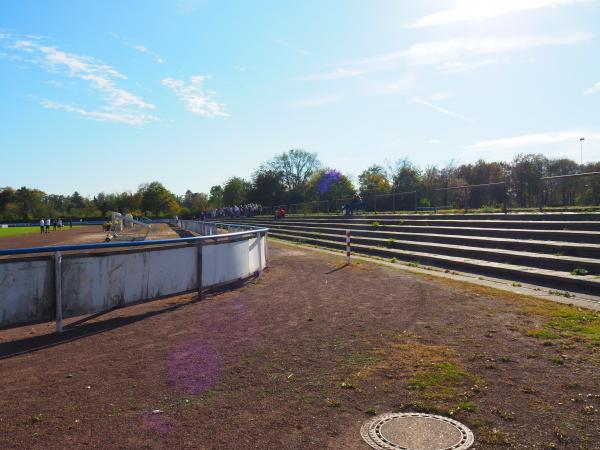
point(18, 231)
point(431, 373)
point(375, 224)
point(542, 334)
point(579, 272)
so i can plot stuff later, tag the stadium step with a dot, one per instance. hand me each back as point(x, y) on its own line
point(561, 235)
point(520, 258)
point(551, 278)
point(539, 248)
point(556, 248)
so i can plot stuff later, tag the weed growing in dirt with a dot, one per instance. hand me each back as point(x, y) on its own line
point(375, 224)
point(561, 293)
point(579, 272)
point(391, 242)
point(394, 260)
point(413, 264)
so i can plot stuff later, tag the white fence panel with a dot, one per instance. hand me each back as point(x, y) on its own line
point(100, 282)
point(26, 291)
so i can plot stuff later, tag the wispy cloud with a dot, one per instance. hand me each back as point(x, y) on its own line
point(102, 116)
point(452, 49)
point(138, 47)
point(120, 105)
point(195, 98)
point(530, 141)
point(450, 55)
point(439, 109)
point(434, 141)
point(451, 67)
point(486, 9)
point(595, 88)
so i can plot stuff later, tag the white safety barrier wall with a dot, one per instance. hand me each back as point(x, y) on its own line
point(62, 285)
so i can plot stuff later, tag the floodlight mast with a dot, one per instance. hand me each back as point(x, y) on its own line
point(581, 143)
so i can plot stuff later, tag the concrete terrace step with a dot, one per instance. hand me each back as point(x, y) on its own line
point(505, 224)
point(520, 258)
point(579, 236)
point(561, 216)
point(558, 248)
point(552, 278)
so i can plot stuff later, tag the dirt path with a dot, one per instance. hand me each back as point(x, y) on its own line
point(300, 359)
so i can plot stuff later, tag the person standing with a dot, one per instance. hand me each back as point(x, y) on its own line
point(42, 224)
point(54, 223)
point(47, 225)
point(70, 222)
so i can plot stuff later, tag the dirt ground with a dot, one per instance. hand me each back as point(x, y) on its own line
point(300, 359)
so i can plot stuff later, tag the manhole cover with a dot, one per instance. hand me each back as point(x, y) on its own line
point(416, 431)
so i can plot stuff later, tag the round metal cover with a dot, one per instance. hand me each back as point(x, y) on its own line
point(416, 431)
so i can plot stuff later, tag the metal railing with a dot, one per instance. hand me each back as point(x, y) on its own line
point(96, 282)
point(568, 194)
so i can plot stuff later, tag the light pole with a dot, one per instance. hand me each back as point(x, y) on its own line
point(581, 143)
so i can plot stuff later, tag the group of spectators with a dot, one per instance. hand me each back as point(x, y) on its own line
point(247, 210)
point(45, 224)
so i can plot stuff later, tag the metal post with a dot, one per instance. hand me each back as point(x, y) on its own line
point(199, 269)
point(266, 249)
point(348, 247)
point(58, 290)
point(260, 264)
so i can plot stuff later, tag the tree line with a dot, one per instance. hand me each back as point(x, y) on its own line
point(298, 176)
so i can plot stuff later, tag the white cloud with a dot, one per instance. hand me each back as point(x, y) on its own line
point(529, 141)
point(102, 116)
point(434, 141)
point(119, 105)
point(451, 67)
point(452, 49)
point(451, 55)
point(139, 47)
point(486, 9)
point(195, 98)
point(439, 109)
point(595, 88)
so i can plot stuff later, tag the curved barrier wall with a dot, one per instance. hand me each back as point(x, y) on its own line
point(45, 283)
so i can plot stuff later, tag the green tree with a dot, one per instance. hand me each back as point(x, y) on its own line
point(267, 187)
point(216, 196)
point(156, 199)
point(374, 180)
point(296, 167)
point(330, 184)
point(235, 191)
point(406, 177)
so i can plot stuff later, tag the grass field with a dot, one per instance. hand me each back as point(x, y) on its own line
point(17, 231)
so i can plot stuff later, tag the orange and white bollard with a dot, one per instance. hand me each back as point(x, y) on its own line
point(348, 247)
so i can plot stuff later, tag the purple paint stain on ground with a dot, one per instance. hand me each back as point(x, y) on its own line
point(158, 423)
point(193, 366)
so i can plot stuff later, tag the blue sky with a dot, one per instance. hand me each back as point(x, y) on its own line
point(105, 95)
